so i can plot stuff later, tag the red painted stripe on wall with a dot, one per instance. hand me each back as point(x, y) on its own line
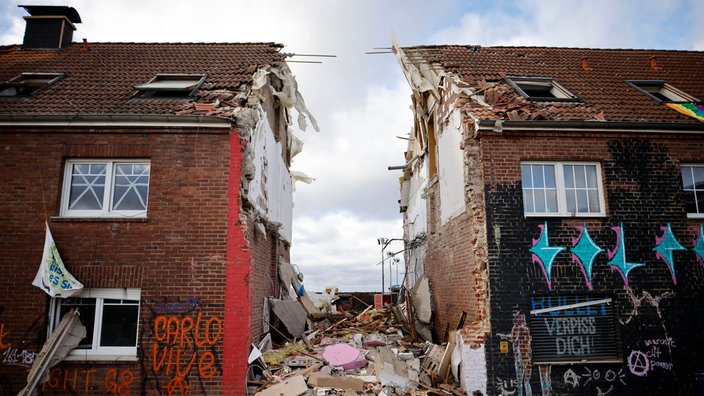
point(237, 335)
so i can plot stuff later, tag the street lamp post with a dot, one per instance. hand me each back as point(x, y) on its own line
point(384, 242)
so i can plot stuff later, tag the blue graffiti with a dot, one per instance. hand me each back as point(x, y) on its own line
point(544, 254)
point(666, 245)
point(584, 251)
point(585, 309)
point(618, 256)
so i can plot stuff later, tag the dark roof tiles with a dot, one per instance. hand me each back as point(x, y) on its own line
point(602, 86)
point(100, 78)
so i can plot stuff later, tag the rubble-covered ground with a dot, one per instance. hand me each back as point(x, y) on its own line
point(373, 352)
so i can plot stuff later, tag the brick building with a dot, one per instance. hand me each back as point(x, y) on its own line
point(162, 171)
point(553, 199)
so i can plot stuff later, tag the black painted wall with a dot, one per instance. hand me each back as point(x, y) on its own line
point(660, 323)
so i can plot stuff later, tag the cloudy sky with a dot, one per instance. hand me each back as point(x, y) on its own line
point(361, 101)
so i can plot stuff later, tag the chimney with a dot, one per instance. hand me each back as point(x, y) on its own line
point(49, 27)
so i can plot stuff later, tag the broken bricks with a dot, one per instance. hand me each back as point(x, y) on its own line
point(364, 354)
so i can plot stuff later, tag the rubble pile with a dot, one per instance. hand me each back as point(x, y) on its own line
point(373, 352)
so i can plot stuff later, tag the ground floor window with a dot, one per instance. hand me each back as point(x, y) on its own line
point(111, 318)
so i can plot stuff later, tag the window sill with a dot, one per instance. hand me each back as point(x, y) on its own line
point(59, 219)
point(101, 358)
point(564, 215)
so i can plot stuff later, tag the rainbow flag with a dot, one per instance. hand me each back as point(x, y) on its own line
point(693, 110)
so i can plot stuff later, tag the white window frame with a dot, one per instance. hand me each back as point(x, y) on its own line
point(29, 84)
point(652, 87)
point(700, 210)
point(561, 190)
point(107, 201)
point(548, 84)
point(96, 352)
point(170, 85)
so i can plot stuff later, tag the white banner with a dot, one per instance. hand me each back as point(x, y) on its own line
point(52, 276)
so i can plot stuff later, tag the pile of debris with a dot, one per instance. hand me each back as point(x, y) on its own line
point(374, 352)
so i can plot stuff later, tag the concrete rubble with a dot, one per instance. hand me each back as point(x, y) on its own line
point(342, 352)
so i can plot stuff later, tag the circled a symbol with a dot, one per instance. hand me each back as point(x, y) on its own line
point(638, 363)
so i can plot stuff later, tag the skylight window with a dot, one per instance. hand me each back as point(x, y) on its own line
point(541, 89)
point(662, 91)
point(170, 86)
point(28, 84)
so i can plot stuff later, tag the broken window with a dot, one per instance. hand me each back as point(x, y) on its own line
point(541, 89)
point(170, 86)
point(661, 91)
point(106, 188)
point(693, 185)
point(562, 189)
point(28, 84)
point(111, 318)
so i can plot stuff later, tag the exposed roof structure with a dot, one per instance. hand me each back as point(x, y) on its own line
point(99, 78)
point(598, 77)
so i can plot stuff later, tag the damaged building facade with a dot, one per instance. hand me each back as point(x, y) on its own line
point(552, 200)
point(162, 173)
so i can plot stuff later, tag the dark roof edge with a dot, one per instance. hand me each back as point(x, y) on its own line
point(582, 125)
point(143, 120)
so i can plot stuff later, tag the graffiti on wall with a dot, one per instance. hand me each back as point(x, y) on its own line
point(182, 342)
point(86, 381)
point(544, 254)
point(584, 252)
point(653, 354)
point(604, 380)
point(522, 353)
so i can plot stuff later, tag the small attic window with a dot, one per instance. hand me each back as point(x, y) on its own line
point(28, 84)
point(662, 91)
point(170, 86)
point(541, 89)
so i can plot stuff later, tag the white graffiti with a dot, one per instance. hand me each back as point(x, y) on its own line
point(600, 392)
point(609, 376)
point(637, 302)
point(506, 387)
point(16, 357)
point(571, 378)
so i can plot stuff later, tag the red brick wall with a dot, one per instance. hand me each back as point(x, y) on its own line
point(178, 256)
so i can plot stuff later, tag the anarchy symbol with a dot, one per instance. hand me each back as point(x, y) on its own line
point(638, 363)
point(571, 378)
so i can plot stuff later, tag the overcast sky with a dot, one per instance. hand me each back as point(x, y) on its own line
point(361, 101)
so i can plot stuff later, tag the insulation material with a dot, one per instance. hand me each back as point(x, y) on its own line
point(295, 145)
point(297, 176)
point(420, 76)
point(270, 189)
point(288, 95)
point(416, 209)
point(451, 168)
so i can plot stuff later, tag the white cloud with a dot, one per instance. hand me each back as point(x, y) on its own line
point(340, 249)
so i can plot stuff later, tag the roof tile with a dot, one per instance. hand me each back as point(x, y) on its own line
point(602, 86)
point(100, 79)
